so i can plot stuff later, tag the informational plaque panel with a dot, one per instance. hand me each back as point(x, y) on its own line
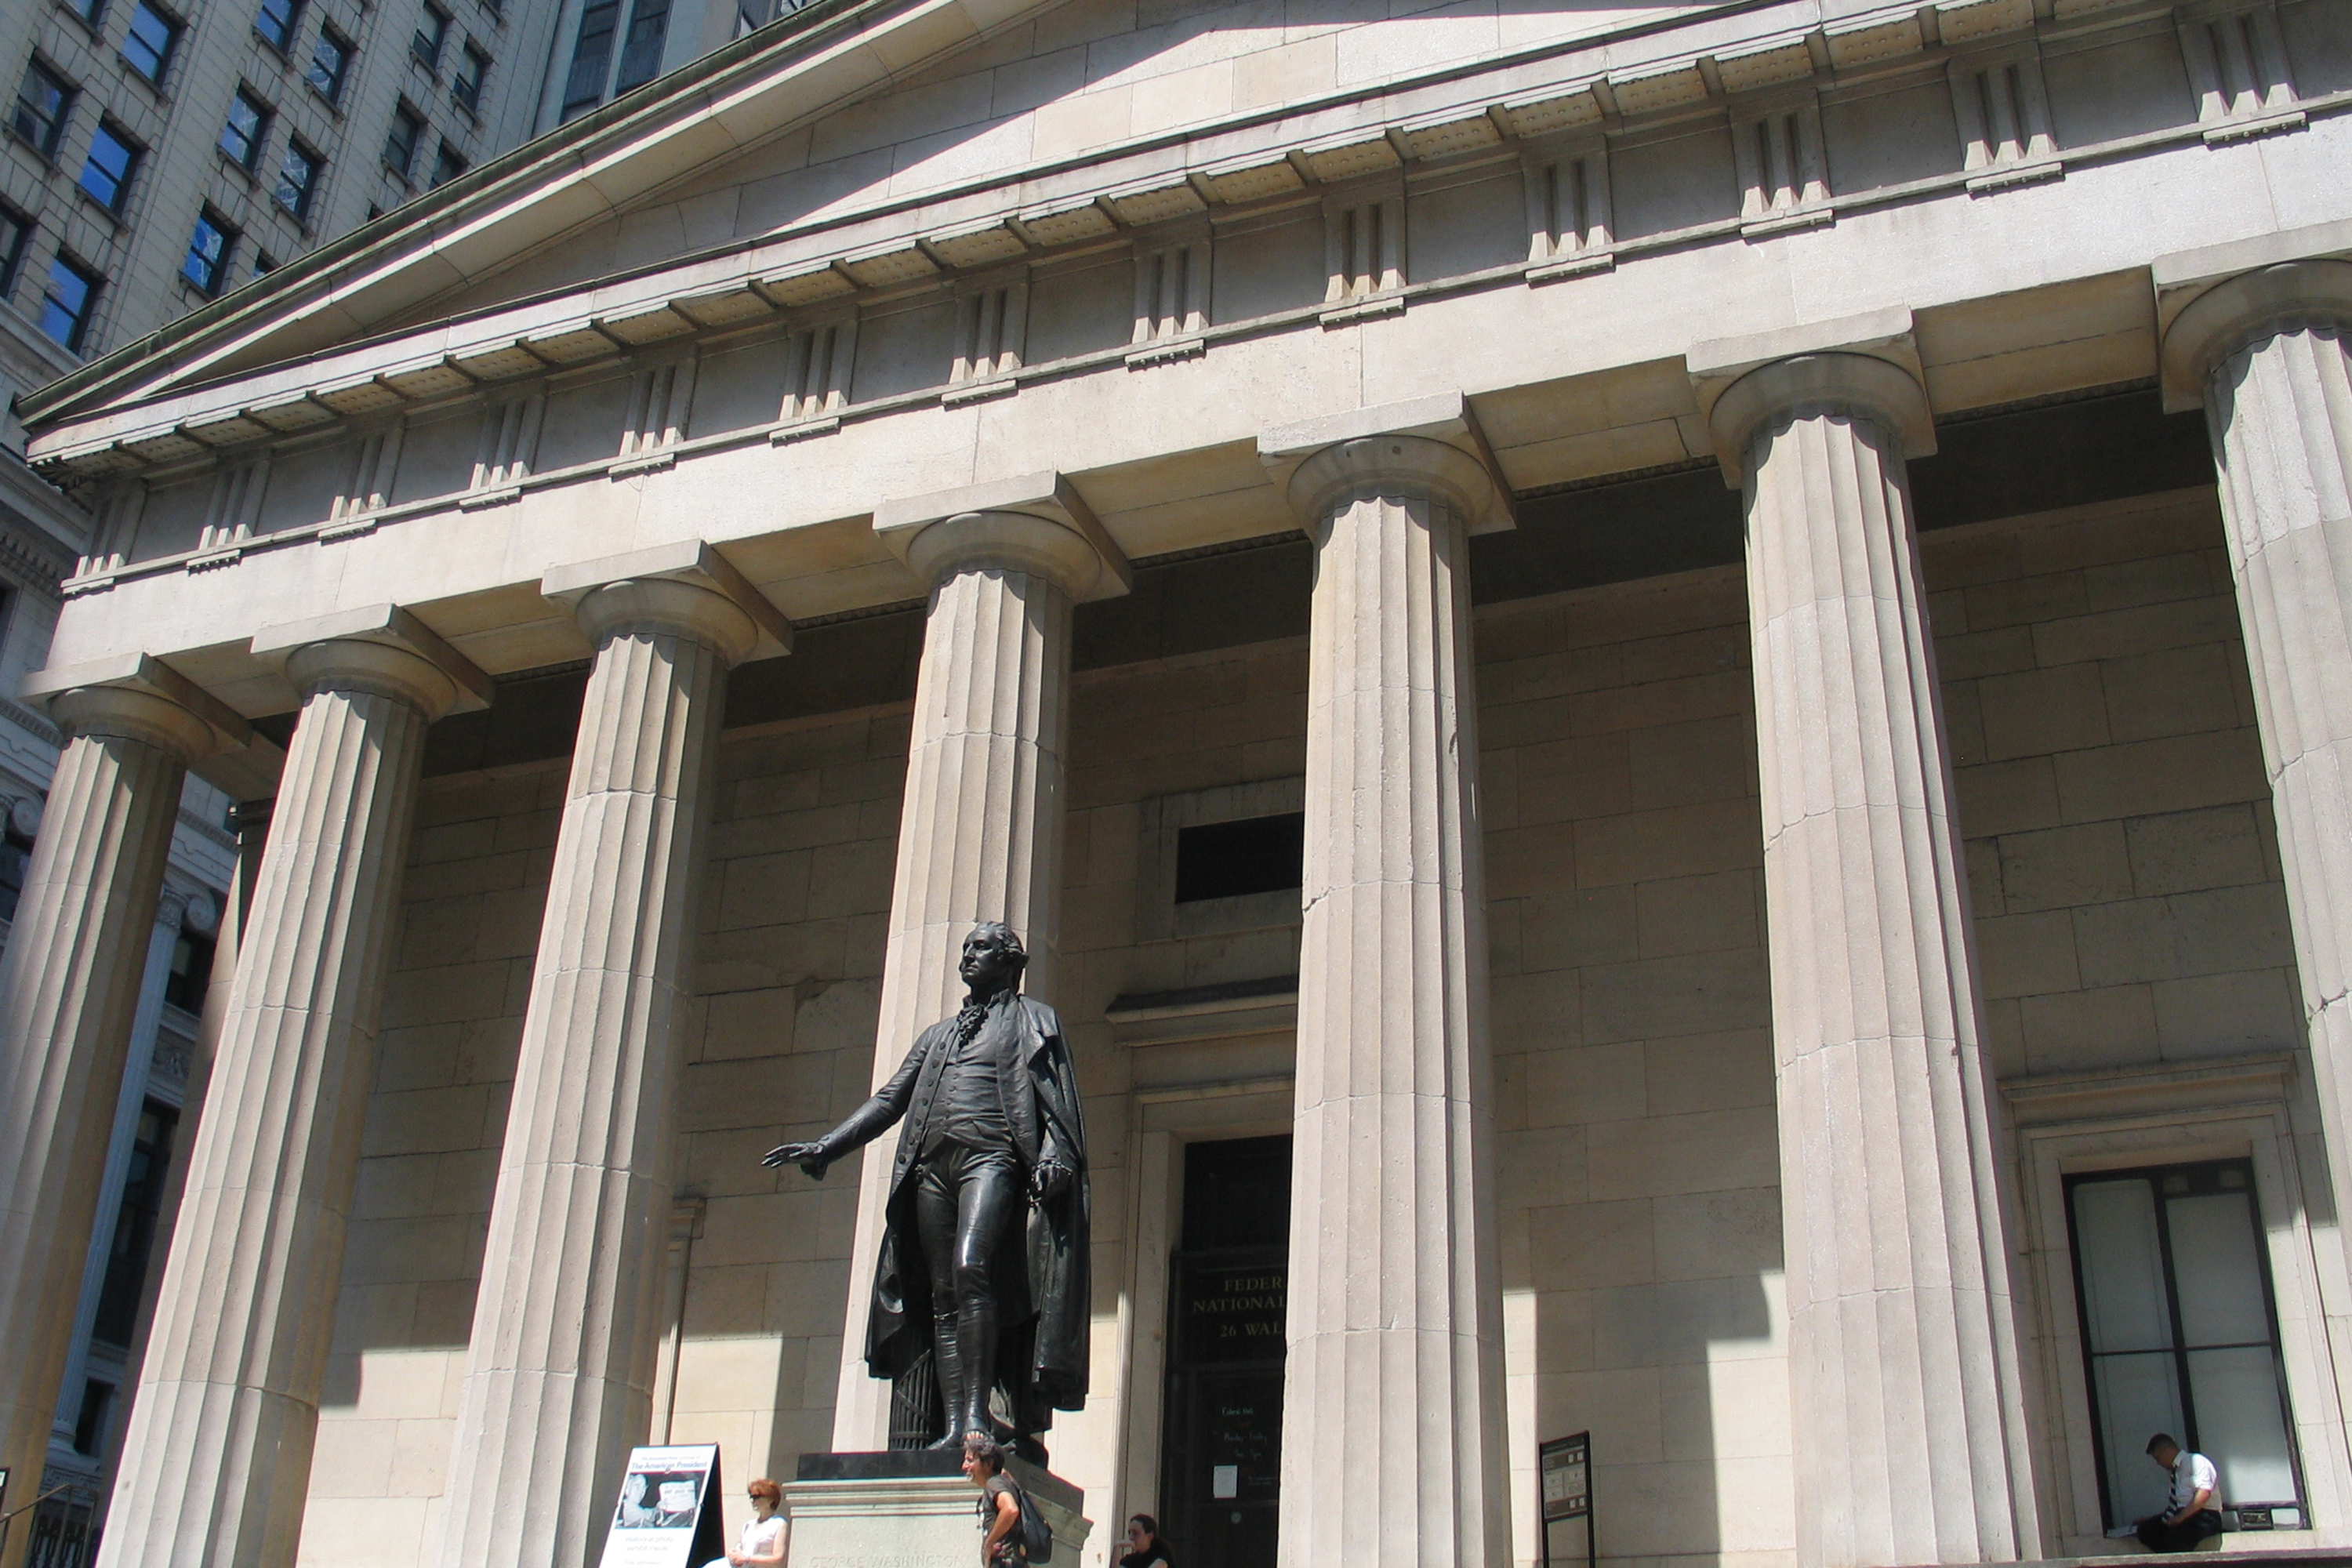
point(668, 1516)
point(1564, 1465)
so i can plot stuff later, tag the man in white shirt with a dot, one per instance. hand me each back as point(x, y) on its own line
point(2195, 1495)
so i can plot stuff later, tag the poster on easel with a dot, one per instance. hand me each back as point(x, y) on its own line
point(667, 1515)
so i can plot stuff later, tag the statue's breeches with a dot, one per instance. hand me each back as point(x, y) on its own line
point(965, 1199)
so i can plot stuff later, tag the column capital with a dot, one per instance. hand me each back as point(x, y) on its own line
point(379, 648)
point(1430, 446)
point(1031, 522)
point(685, 588)
point(1867, 364)
point(2209, 303)
point(138, 698)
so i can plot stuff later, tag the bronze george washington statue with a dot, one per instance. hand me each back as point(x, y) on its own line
point(985, 1248)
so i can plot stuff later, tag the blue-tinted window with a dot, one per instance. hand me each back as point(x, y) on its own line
point(209, 252)
point(276, 20)
point(247, 128)
point(432, 36)
point(331, 63)
point(399, 141)
point(69, 301)
point(43, 103)
point(105, 174)
point(149, 44)
point(298, 179)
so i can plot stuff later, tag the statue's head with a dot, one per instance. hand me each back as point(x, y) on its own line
point(993, 957)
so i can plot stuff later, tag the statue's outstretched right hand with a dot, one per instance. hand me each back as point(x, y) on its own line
point(812, 1158)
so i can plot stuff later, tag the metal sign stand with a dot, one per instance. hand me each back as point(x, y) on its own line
point(1564, 1468)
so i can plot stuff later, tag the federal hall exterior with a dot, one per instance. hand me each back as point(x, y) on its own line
point(1774, 579)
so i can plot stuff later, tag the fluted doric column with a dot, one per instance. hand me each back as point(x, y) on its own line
point(2270, 352)
point(69, 986)
point(1393, 1446)
point(981, 832)
point(558, 1370)
point(171, 908)
point(217, 1462)
point(1902, 1359)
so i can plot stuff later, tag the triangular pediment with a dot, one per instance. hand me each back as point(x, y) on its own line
point(861, 146)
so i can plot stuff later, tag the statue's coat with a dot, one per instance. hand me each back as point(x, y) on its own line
point(1043, 1280)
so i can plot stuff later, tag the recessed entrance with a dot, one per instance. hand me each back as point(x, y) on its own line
point(1223, 1456)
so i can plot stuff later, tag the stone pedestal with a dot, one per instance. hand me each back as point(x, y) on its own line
point(216, 1464)
point(980, 836)
point(68, 987)
point(911, 1509)
point(1393, 1426)
point(1902, 1373)
point(559, 1368)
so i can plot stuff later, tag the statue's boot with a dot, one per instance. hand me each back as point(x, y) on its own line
point(946, 1362)
point(976, 1348)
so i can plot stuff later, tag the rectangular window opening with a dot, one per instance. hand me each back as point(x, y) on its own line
point(277, 22)
point(592, 57)
point(1231, 859)
point(2180, 1336)
point(44, 103)
point(131, 1250)
point(432, 36)
point(210, 245)
point(331, 64)
point(106, 174)
point(466, 88)
point(68, 302)
point(149, 45)
point(246, 129)
point(641, 55)
point(400, 142)
point(298, 179)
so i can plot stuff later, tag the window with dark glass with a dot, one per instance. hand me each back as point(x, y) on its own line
point(331, 62)
point(752, 15)
point(15, 233)
point(90, 11)
point(641, 55)
point(264, 264)
point(89, 1421)
point(298, 179)
point(276, 21)
point(432, 38)
point(2180, 1335)
point(44, 102)
point(69, 301)
point(191, 972)
point(149, 45)
point(1230, 859)
point(247, 128)
point(209, 246)
point(447, 164)
point(131, 1248)
point(592, 57)
point(466, 85)
point(106, 173)
point(400, 142)
point(16, 859)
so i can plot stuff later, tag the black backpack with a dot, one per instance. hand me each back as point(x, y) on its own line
point(1036, 1536)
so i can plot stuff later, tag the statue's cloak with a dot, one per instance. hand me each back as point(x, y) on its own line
point(1042, 1278)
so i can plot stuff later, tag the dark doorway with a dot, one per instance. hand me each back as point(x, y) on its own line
point(1222, 1465)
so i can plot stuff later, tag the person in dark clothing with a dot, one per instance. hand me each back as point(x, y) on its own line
point(2196, 1494)
point(1000, 1504)
point(1144, 1544)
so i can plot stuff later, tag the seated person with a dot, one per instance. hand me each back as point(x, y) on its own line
point(762, 1544)
point(2195, 1512)
point(1145, 1545)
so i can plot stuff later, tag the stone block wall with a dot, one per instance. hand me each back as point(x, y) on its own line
point(1639, 1164)
point(2122, 859)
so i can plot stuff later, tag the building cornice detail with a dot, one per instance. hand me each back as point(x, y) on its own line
point(1501, 102)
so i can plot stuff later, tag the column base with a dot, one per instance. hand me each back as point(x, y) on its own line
point(911, 1509)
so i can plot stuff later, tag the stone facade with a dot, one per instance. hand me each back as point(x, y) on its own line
point(1806, 753)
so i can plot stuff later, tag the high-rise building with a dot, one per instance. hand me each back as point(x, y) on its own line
point(157, 156)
